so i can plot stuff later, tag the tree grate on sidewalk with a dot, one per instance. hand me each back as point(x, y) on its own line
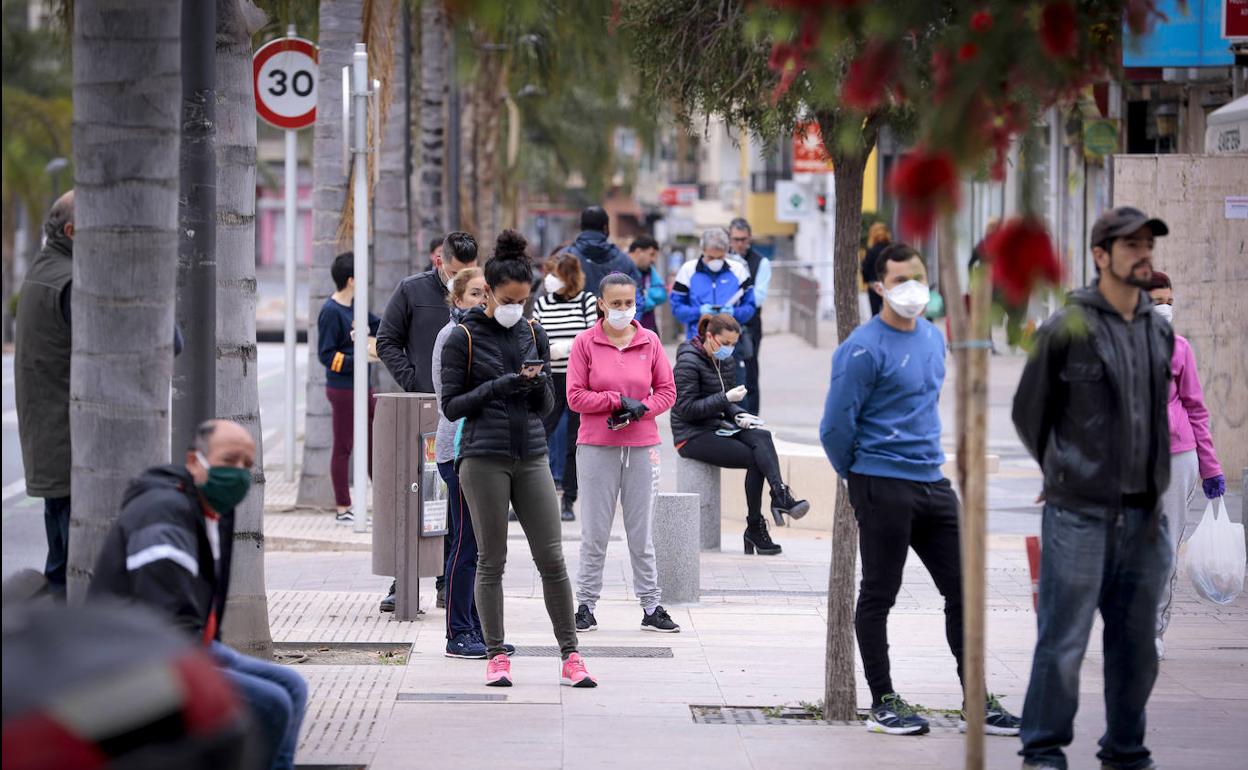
point(348, 708)
point(334, 617)
point(538, 651)
point(789, 715)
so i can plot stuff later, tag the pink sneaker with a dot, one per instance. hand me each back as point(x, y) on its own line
point(574, 673)
point(498, 671)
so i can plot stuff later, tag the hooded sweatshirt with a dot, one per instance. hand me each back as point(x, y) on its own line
point(1189, 419)
point(600, 258)
point(599, 373)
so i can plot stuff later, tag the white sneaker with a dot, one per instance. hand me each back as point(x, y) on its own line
point(346, 517)
point(1161, 648)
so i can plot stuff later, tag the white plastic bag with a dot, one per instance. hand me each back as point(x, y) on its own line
point(1215, 556)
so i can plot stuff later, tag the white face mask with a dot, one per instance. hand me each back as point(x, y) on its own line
point(715, 265)
point(509, 315)
point(553, 284)
point(908, 299)
point(1165, 311)
point(620, 319)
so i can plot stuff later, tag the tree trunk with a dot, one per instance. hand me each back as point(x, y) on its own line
point(391, 245)
point(246, 625)
point(840, 692)
point(195, 308)
point(342, 26)
point(430, 214)
point(127, 118)
point(487, 125)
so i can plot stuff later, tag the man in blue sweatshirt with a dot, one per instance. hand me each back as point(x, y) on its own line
point(881, 431)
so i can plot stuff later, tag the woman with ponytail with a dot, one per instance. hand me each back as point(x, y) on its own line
point(496, 377)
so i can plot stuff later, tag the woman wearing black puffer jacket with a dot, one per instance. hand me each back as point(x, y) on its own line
point(488, 382)
point(708, 425)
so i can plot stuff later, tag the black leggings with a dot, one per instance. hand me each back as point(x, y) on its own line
point(551, 422)
point(752, 450)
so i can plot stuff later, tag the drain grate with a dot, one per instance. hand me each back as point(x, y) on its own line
point(597, 652)
point(450, 697)
point(789, 715)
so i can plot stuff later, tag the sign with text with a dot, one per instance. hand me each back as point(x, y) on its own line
point(284, 74)
point(679, 195)
point(1235, 21)
point(809, 155)
point(793, 202)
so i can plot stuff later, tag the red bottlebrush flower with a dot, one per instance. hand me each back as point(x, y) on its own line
point(968, 52)
point(786, 59)
point(981, 21)
point(1057, 28)
point(925, 184)
point(1022, 257)
point(869, 76)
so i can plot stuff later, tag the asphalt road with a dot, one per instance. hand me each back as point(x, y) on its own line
point(24, 542)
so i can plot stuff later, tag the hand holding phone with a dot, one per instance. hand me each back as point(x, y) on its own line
point(532, 368)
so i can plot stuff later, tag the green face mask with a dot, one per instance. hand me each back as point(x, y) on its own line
point(226, 486)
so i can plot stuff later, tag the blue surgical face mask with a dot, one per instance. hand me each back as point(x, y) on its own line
point(724, 352)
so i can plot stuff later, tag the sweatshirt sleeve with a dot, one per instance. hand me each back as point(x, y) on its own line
point(581, 399)
point(1192, 396)
point(854, 372)
point(662, 383)
point(332, 344)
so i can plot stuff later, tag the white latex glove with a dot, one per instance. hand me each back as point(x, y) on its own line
point(748, 421)
point(737, 394)
point(560, 349)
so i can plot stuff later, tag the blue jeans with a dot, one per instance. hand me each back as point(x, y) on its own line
point(56, 526)
point(461, 562)
point(277, 697)
point(1117, 566)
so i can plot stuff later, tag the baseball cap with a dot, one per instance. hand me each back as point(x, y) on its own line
point(1124, 220)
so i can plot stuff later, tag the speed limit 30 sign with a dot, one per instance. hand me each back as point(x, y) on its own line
point(284, 76)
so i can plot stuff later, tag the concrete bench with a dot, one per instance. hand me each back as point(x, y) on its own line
point(676, 527)
point(698, 478)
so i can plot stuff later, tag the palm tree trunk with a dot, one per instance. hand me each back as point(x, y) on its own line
point(430, 219)
point(127, 116)
point(246, 625)
point(342, 26)
point(391, 244)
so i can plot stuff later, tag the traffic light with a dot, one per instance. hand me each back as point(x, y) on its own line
point(821, 202)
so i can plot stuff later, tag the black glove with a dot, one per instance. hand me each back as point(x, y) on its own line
point(508, 385)
point(634, 408)
point(536, 382)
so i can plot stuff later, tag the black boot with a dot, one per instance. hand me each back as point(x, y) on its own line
point(757, 538)
point(783, 502)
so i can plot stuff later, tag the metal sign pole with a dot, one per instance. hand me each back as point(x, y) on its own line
point(288, 333)
point(359, 179)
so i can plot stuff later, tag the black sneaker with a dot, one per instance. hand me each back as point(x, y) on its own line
point(465, 644)
point(509, 649)
point(585, 619)
point(659, 621)
point(896, 717)
point(387, 604)
point(565, 510)
point(997, 721)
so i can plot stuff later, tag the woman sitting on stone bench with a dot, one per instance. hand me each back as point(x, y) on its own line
point(709, 426)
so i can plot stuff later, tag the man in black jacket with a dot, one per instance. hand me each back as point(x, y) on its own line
point(599, 256)
point(1091, 408)
point(170, 549)
point(409, 327)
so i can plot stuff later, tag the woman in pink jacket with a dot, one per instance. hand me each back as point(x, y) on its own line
point(1191, 447)
point(619, 380)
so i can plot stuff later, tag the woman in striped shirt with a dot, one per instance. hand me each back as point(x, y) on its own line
point(564, 310)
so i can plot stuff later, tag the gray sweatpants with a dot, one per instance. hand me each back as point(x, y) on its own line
point(489, 484)
point(1184, 478)
point(631, 476)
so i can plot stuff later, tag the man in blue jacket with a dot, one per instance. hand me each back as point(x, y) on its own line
point(599, 256)
point(644, 252)
point(712, 284)
point(881, 431)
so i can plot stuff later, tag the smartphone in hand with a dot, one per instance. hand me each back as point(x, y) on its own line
point(531, 368)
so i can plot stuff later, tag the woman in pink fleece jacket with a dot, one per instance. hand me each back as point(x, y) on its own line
point(619, 380)
point(1191, 447)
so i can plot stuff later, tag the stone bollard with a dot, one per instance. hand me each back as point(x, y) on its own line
point(676, 547)
point(701, 479)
